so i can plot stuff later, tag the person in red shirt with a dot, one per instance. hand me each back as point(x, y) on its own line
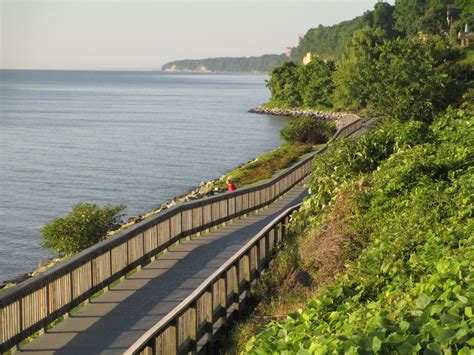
point(230, 185)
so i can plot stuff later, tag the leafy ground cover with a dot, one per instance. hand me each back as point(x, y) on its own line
point(408, 284)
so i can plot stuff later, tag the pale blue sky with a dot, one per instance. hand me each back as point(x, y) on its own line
point(140, 34)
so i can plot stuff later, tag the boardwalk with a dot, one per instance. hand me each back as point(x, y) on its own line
point(113, 321)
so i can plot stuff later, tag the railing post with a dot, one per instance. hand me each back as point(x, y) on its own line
point(170, 229)
point(193, 326)
point(266, 239)
point(46, 293)
point(202, 218)
point(258, 254)
point(71, 288)
point(224, 304)
point(210, 312)
point(92, 275)
point(110, 266)
point(176, 332)
point(248, 271)
point(20, 311)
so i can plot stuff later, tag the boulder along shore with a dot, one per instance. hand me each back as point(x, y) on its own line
point(341, 118)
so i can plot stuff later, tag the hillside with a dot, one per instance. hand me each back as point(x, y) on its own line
point(262, 64)
point(405, 17)
point(379, 258)
point(389, 230)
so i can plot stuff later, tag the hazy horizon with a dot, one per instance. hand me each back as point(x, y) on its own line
point(144, 35)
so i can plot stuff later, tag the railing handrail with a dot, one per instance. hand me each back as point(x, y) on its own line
point(119, 238)
point(187, 302)
point(269, 191)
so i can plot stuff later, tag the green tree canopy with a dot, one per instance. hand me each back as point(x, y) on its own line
point(407, 85)
point(315, 83)
point(355, 73)
point(283, 84)
point(382, 17)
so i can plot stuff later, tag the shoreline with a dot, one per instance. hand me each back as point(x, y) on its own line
point(341, 118)
point(205, 188)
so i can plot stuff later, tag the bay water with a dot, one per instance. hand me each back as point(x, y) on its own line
point(118, 137)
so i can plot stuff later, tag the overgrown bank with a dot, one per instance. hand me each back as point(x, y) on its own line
point(389, 227)
point(380, 258)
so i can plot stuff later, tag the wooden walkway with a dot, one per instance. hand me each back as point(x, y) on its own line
point(116, 319)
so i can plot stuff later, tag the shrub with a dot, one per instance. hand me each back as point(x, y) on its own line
point(84, 226)
point(410, 289)
point(307, 130)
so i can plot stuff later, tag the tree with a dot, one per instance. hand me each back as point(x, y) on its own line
point(433, 21)
point(467, 6)
point(355, 73)
point(407, 85)
point(407, 13)
point(329, 41)
point(315, 83)
point(283, 85)
point(84, 226)
point(382, 17)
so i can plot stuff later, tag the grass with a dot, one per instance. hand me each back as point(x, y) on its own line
point(266, 165)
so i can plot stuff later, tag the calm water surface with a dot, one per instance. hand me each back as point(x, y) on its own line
point(136, 138)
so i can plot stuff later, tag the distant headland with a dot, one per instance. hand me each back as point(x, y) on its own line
point(261, 64)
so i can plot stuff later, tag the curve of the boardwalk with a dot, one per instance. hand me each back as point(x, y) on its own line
point(113, 321)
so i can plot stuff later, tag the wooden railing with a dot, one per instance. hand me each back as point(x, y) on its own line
point(195, 324)
point(31, 305)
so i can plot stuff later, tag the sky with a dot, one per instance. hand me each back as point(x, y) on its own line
point(145, 34)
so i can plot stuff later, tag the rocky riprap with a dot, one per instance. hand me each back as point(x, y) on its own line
point(205, 189)
point(341, 118)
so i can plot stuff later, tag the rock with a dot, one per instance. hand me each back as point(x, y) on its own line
point(298, 113)
point(303, 278)
point(18, 279)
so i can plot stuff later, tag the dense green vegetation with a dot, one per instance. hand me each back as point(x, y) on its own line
point(385, 240)
point(308, 130)
point(81, 228)
point(405, 18)
point(308, 86)
point(328, 41)
point(394, 79)
point(262, 64)
point(386, 68)
point(409, 287)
